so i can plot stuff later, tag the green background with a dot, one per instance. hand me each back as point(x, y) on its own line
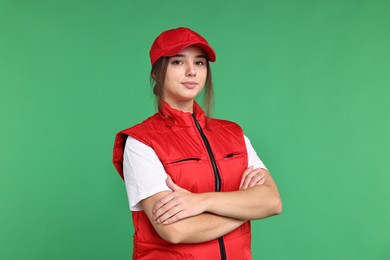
point(307, 80)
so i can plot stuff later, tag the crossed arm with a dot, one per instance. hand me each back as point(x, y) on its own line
point(195, 229)
point(180, 216)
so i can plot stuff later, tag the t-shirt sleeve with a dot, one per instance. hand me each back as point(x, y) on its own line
point(144, 173)
point(253, 158)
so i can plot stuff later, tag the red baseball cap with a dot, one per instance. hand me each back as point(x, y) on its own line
point(171, 42)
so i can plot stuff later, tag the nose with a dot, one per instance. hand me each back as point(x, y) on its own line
point(190, 70)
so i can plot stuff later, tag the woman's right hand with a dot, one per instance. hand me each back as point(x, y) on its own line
point(252, 177)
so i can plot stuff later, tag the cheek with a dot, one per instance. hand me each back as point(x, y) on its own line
point(172, 75)
point(204, 75)
point(169, 78)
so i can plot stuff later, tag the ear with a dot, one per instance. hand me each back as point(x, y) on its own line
point(154, 76)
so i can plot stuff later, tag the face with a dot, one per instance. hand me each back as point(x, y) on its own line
point(185, 78)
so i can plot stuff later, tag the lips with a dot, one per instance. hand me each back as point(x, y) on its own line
point(190, 84)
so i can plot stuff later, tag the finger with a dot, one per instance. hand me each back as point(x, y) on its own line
point(262, 181)
point(165, 209)
point(244, 174)
point(256, 179)
point(249, 177)
point(178, 216)
point(164, 200)
point(172, 185)
point(169, 215)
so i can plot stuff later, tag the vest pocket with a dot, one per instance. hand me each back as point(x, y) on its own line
point(233, 155)
point(193, 159)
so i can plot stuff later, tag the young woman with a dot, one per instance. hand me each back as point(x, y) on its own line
point(194, 182)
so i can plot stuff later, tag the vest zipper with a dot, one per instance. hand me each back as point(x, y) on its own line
point(217, 178)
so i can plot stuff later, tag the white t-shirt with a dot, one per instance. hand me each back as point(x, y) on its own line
point(145, 175)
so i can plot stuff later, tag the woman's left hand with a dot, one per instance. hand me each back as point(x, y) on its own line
point(177, 205)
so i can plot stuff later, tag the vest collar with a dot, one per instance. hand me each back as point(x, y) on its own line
point(179, 118)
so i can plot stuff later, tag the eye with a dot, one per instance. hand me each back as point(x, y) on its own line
point(200, 63)
point(176, 62)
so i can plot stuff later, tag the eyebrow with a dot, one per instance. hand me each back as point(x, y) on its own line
point(197, 56)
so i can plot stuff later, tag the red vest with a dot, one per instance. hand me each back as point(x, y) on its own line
point(199, 157)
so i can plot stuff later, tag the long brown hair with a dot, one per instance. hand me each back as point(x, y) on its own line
point(157, 78)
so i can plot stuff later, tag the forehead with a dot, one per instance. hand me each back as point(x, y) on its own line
point(192, 50)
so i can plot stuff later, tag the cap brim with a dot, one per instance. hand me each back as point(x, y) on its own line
point(206, 48)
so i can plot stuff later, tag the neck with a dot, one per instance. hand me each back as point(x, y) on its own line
point(185, 106)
